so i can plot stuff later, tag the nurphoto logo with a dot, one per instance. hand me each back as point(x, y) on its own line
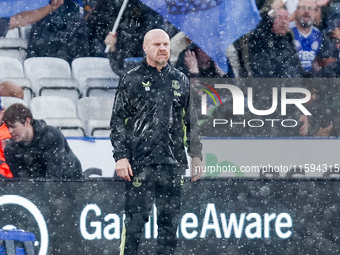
point(239, 100)
point(268, 102)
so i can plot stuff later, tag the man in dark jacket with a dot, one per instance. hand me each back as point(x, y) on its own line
point(147, 135)
point(272, 52)
point(126, 49)
point(37, 149)
point(62, 34)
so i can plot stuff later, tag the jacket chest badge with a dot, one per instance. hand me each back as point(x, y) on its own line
point(271, 44)
point(137, 181)
point(177, 94)
point(175, 84)
point(146, 85)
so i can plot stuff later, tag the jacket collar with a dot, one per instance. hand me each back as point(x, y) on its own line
point(38, 127)
point(152, 69)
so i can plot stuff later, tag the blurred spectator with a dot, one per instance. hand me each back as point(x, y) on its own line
point(330, 50)
point(195, 63)
point(323, 9)
point(126, 46)
point(327, 91)
point(178, 43)
point(307, 37)
point(266, 5)
point(61, 34)
point(242, 44)
point(98, 19)
point(272, 53)
point(37, 149)
point(27, 17)
point(292, 6)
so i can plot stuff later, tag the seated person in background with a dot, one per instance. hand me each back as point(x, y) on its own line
point(272, 53)
point(27, 17)
point(126, 49)
point(11, 89)
point(37, 149)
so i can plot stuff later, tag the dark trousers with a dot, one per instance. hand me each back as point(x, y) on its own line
point(160, 183)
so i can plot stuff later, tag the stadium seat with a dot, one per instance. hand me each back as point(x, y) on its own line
point(45, 67)
point(8, 101)
point(59, 112)
point(92, 172)
point(13, 47)
point(13, 33)
point(296, 173)
point(25, 84)
point(269, 173)
point(91, 67)
point(332, 173)
point(24, 32)
point(95, 113)
point(64, 87)
point(101, 87)
point(11, 67)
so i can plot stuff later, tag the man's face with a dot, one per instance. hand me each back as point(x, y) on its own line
point(281, 22)
point(157, 48)
point(19, 131)
point(305, 13)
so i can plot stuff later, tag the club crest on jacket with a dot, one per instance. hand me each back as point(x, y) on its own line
point(146, 85)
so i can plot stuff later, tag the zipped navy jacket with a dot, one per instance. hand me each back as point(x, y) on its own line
point(151, 117)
